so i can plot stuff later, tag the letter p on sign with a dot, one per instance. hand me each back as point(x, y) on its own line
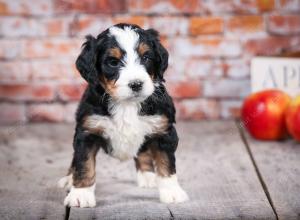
point(273, 72)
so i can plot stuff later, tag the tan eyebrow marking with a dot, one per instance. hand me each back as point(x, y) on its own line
point(115, 52)
point(143, 48)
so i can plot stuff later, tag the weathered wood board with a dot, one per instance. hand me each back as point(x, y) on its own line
point(32, 159)
point(218, 174)
point(279, 165)
point(34, 204)
point(213, 167)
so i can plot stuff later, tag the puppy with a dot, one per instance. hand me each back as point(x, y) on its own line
point(126, 111)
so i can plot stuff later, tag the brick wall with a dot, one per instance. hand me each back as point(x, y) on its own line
point(210, 42)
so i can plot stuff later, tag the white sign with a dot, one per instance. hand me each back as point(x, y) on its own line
point(279, 73)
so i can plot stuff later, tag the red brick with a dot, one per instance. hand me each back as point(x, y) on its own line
point(46, 112)
point(71, 91)
point(10, 49)
point(56, 26)
point(14, 71)
point(197, 109)
point(242, 24)
point(165, 6)
point(210, 44)
point(70, 110)
point(284, 24)
point(51, 48)
point(27, 92)
point(12, 113)
point(255, 6)
point(203, 69)
point(196, 69)
point(206, 25)
point(175, 71)
point(237, 68)
point(91, 6)
point(270, 45)
point(220, 7)
point(90, 24)
point(239, 7)
point(40, 69)
point(170, 25)
point(19, 27)
point(226, 88)
point(289, 5)
point(206, 47)
point(43, 69)
point(3, 8)
point(188, 89)
point(34, 27)
point(25, 7)
point(265, 5)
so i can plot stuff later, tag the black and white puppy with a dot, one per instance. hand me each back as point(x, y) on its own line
point(126, 111)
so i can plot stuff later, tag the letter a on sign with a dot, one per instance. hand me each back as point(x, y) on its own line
point(273, 72)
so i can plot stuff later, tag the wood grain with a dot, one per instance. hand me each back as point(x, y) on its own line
point(32, 159)
point(213, 167)
point(216, 170)
point(279, 165)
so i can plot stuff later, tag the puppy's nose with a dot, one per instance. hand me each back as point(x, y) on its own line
point(136, 85)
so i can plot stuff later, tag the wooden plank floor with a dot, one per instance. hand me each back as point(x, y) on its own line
point(31, 160)
point(225, 175)
point(278, 164)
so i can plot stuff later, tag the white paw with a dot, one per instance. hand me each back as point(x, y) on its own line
point(173, 195)
point(170, 191)
point(81, 197)
point(66, 182)
point(146, 179)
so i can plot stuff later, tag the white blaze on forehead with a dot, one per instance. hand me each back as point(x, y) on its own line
point(127, 39)
point(132, 69)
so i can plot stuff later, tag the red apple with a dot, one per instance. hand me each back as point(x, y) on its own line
point(292, 118)
point(263, 114)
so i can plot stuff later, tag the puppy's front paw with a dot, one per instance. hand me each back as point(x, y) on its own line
point(81, 197)
point(170, 191)
point(146, 179)
point(173, 195)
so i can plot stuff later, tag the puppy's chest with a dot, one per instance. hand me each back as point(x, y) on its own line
point(127, 130)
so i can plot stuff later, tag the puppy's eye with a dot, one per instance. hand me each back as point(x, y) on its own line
point(113, 62)
point(146, 58)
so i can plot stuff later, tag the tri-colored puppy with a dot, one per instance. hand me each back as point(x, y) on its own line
point(125, 110)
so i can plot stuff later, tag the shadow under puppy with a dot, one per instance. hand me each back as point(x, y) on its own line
point(125, 110)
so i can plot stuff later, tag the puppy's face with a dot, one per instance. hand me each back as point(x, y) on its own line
point(126, 61)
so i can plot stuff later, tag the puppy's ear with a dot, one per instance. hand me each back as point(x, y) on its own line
point(86, 61)
point(161, 52)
